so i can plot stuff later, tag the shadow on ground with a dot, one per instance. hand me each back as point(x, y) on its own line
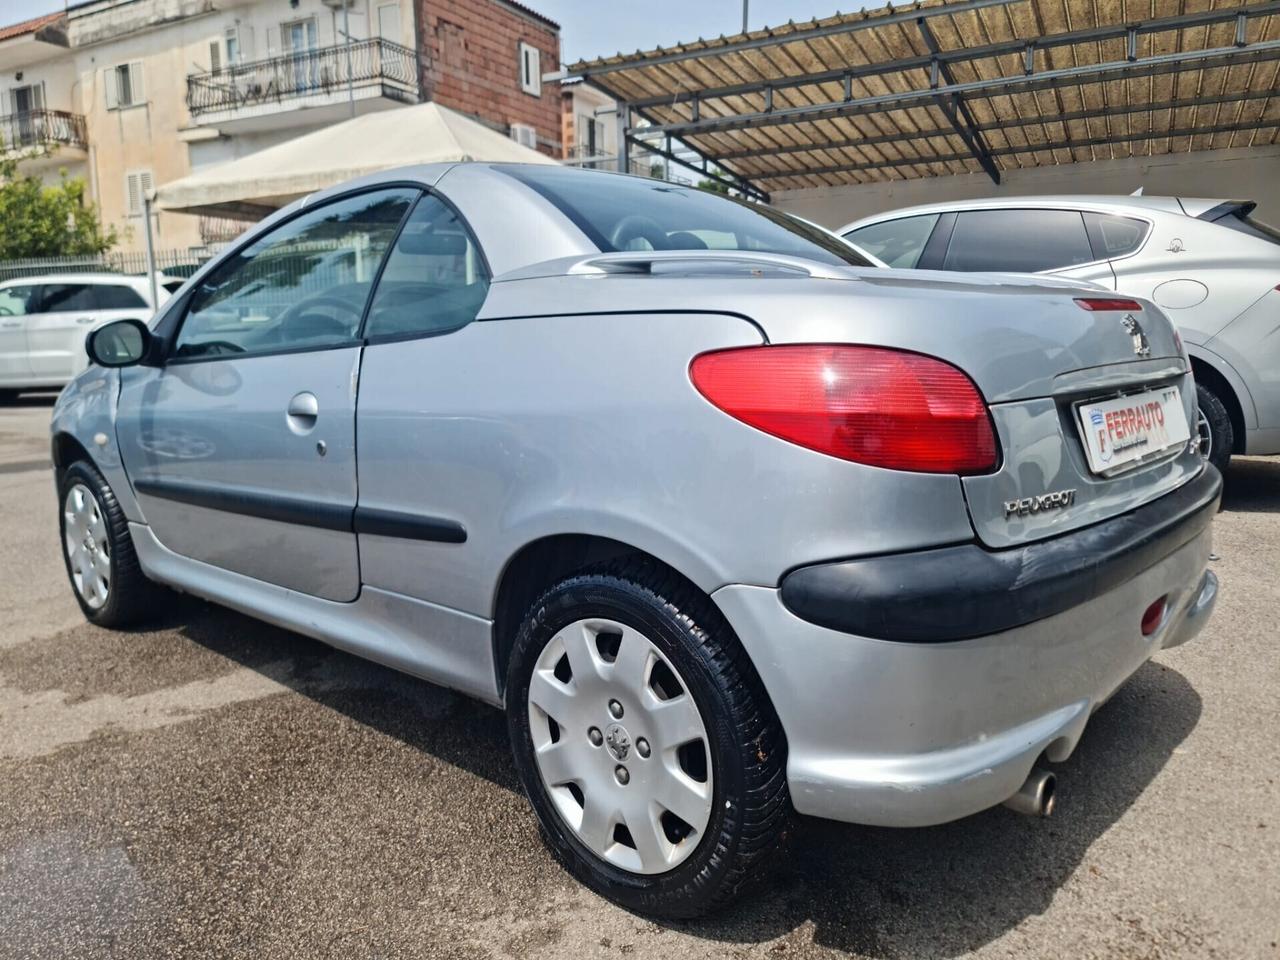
point(1252, 486)
point(30, 400)
point(935, 892)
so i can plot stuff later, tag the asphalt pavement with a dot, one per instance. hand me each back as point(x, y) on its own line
point(215, 787)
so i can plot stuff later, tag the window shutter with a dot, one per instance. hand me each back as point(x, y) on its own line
point(530, 69)
point(144, 185)
point(135, 82)
point(109, 84)
point(133, 203)
point(215, 56)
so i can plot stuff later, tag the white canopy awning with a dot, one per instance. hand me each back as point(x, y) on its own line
point(255, 185)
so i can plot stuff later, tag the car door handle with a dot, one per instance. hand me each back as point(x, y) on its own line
point(84, 319)
point(12, 323)
point(302, 412)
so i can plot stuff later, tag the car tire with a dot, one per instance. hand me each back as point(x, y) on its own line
point(101, 563)
point(693, 664)
point(1217, 436)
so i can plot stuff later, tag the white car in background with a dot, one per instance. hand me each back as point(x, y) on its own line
point(1209, 264)
point(44, 321)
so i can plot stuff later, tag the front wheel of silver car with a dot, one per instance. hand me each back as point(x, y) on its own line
point(105, 576)
point(645, 740)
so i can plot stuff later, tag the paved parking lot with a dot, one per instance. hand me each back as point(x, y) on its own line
point(216, 787)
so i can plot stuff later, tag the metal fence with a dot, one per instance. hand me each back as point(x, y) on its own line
point(325, 70)
point(174, 263)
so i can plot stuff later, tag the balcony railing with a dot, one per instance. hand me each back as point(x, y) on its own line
point(309, 72)
point(37, 128)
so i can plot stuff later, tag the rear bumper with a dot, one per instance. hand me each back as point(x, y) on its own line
point(911, 734)
point(955, 593)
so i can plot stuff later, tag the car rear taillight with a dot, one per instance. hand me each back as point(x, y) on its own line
point(1107, 303)
point(886, 408)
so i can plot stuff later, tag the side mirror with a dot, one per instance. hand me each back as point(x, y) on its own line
point(121, 343)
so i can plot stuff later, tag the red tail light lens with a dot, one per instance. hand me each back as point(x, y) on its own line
point(1107, 303)
point(886, 408)
point(1154, 616)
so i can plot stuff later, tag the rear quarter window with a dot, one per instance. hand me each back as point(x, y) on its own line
point(1113, 236)
point(116, 296)
point(899, 243)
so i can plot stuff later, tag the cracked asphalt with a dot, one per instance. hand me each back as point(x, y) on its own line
point(215, 787)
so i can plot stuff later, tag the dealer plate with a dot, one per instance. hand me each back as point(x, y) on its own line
point(1119, 432)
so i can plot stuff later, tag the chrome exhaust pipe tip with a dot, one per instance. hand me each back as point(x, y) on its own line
point(1037, 796)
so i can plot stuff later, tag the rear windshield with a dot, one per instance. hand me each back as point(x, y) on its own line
point(634, 213)
point(1240, 220)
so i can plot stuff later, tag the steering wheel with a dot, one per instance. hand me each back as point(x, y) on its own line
point(636, 226)
point(321, 300)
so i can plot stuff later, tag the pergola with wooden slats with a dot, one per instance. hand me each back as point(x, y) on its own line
point(940, 88)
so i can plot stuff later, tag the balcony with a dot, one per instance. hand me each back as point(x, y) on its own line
point(306, 88)
point(43, 137)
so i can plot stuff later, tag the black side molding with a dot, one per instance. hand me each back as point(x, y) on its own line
point(306, 513)
point(249, 503)
point(966, 591)
point(408, 526)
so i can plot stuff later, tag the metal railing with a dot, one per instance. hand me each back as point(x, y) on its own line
point(175, 263)
point(39, 127)
point(325, 70)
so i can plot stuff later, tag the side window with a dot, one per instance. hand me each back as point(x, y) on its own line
point(435, 279)
point(302, 285)
point(1114, 236)
point(898, 243)
point(64, 297)
point(18, 301)
point(116, 296)
point(1018, 241)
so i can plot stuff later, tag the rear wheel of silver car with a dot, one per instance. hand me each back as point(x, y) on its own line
point(645, 741)
point(105, 576)
point(1213, 425)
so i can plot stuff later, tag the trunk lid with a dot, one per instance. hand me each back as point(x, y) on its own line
point(1049, 369)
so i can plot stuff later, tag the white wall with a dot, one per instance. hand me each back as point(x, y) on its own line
point(1249, 174)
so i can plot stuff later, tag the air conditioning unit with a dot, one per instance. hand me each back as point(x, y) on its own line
point(525, 135)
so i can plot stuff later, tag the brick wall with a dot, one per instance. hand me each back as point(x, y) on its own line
point(471, 63)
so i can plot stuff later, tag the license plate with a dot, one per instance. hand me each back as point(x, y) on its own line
point(1127, 429)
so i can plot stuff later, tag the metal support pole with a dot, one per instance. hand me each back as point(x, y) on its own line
point(346, 29)
point(151, 251)
point(623, 119)
point(745, 5)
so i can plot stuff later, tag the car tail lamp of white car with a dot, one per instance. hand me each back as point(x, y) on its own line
point(871, 405)
point(1108, 303)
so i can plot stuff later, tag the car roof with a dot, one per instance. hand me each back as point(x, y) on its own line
point(1139, 206)
point(86, 278)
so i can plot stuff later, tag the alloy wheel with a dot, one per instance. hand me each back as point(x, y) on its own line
point(621, 746)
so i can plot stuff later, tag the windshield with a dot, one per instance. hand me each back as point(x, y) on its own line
point(635, 213)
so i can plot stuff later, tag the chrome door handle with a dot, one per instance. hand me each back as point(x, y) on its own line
point(84, 319)
point(12, 323)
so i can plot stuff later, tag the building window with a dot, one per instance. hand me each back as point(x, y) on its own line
point(524, 135)
point(530, 70)
point(233, 45)
point(124, 85)
point(389, 22)
point(590, 135)
point(136, 187)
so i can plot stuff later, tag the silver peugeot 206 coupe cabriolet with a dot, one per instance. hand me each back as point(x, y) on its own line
point(732, 523)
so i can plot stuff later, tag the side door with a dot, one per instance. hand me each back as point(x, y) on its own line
point(241, 444)
point(1026, 240)
point(56, 332)
point(16, 302)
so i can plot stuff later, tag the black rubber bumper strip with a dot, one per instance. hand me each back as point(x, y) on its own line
point(307, 513)
point(966, 591)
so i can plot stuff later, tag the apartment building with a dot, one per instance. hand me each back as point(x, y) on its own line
point(154, 89)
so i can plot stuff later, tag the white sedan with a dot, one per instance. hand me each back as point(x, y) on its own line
point(44, 321)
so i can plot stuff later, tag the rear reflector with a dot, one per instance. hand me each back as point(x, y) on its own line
point(886, 408)
point(1105, 303)
point(1154, 616)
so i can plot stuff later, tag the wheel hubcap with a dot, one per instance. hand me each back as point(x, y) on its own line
point(88, 551)
point(621, 746)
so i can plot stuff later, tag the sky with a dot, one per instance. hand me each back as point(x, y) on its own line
point(591, 28)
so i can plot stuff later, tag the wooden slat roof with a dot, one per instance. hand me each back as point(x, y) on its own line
point(950, 86)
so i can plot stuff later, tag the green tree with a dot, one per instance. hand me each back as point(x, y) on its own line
point(47, 221)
